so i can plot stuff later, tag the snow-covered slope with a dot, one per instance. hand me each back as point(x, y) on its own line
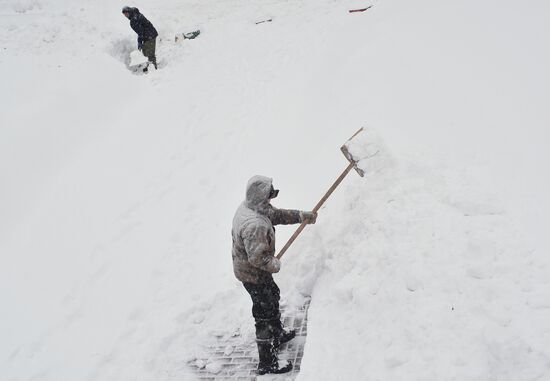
point(117, 191)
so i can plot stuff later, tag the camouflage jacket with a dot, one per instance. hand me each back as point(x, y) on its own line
point(254, 235)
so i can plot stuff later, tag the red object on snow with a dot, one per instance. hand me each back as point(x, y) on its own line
point(360, 10)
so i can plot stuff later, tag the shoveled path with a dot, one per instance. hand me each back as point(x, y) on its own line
point(231, 359)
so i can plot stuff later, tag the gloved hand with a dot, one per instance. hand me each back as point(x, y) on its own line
point(308, 217)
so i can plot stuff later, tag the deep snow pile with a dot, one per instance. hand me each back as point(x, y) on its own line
point(118, 190)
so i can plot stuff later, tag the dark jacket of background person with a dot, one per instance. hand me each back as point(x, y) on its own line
point(143, 27)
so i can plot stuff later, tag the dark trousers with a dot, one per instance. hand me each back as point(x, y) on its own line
point(149, 48)
point(265, 308)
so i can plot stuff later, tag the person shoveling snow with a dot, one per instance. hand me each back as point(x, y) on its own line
point(147, 34)
point(253, 250)
point(254, 262)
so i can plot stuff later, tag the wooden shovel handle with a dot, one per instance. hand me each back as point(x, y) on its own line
point(316, 209)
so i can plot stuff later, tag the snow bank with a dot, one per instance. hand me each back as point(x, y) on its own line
point(118, 190)
point(422, 287)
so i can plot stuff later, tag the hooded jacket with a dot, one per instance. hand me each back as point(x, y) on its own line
point(143, 27)
point(254, 235)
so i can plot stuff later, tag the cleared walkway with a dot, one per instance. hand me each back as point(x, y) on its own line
point(231, 359)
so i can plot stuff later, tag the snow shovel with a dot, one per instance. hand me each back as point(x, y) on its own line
point(187, 36)
point(356, 151)
point(360, 10)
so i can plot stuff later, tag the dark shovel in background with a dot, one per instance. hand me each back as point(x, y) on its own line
point(356, 150)
point(187, 36)
point(360, 10)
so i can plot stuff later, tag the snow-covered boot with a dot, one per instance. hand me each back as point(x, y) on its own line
point(268, 359)
point(283, 337)
point(280, 336)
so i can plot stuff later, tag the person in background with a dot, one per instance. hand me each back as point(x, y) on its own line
point(254, 262)
point(147, 34)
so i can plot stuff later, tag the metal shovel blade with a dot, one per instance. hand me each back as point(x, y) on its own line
point(365, 151)
point(349, 155)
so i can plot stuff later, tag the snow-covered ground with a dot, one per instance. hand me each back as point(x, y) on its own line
point(117, 190)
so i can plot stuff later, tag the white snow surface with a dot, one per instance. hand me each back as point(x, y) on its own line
point(137, 58)
point(118, 190)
